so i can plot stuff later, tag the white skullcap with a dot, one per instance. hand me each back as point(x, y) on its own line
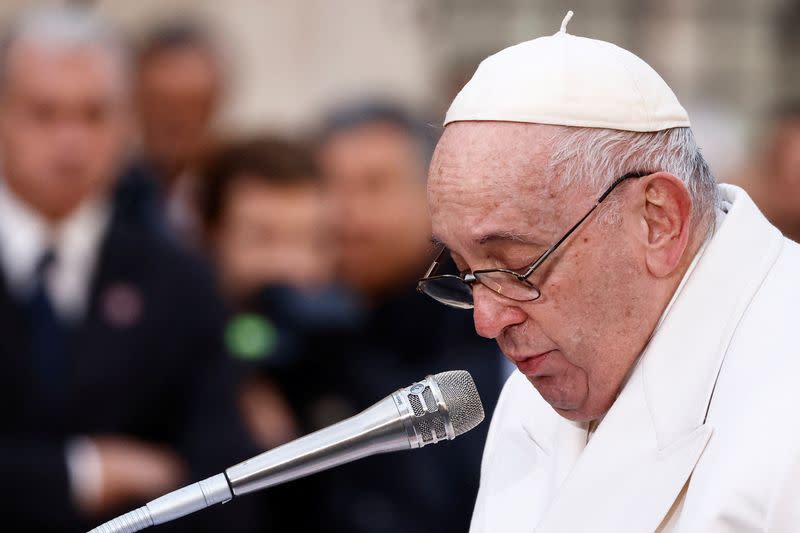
point(569, 81)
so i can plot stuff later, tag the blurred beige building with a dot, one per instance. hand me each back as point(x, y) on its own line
point(729, 61)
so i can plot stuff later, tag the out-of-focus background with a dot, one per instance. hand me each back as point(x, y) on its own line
point(287, 61)
point(212, 218)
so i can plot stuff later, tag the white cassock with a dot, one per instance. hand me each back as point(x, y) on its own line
point(705, 434)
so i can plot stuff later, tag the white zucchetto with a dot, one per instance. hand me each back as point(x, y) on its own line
point(567, 80)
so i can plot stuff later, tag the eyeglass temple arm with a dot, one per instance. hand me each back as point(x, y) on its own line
point(602, 197)
point(613, 186)
point(550, 250)
point(435, 262)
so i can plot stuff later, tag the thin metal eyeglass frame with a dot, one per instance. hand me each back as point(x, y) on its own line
point(469, 278)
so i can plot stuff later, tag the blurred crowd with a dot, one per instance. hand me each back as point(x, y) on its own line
point(172, 302)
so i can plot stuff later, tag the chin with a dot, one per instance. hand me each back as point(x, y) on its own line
point(586, 412)
point(577, 415)
point(575, 405)
point(563, 397)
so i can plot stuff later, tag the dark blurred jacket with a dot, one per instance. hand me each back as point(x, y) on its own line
point(162, 377)
point(141, 194)
point(373, 353)
point(138, 199)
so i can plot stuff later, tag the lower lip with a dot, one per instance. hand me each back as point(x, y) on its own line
point(530, 365)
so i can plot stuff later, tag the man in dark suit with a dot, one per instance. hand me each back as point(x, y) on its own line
point(116, 388)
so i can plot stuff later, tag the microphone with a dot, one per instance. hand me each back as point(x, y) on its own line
point(440, 407)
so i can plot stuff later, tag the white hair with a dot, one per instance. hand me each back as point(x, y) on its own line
point(64, 28)
point(594, 158)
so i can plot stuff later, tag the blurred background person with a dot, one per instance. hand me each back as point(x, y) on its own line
point(773, 180)
point(263, 216)
point(178, 85)
point(265, 225)
point(116, 387)
point(266, 228)
point(374, 157)
point(373, 160)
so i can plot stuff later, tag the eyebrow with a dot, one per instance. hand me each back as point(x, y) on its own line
point(506, 236)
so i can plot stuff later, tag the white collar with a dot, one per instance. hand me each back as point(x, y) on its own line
point(740, 251)
point(25, 235)
point(721, 211)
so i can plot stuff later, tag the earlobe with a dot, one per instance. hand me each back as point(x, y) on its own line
point(666, 213)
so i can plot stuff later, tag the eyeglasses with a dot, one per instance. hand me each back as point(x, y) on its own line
point(456, 290)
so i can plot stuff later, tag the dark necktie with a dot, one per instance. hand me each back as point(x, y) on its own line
point(48, 338)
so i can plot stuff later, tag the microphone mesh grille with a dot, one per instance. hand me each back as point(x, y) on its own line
point(461, 398)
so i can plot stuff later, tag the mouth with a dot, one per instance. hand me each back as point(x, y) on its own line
point(528, 365)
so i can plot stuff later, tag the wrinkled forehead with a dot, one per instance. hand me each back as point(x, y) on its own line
point(490, 179)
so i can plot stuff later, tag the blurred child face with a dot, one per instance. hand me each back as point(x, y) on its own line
point(375, 184)
point(63, 125)
point(271, 234)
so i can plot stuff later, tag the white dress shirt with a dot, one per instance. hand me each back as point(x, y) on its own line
point(25, 236)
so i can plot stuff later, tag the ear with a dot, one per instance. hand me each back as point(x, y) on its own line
point(665, 216)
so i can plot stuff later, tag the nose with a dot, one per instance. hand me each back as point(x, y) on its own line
point(492, 313)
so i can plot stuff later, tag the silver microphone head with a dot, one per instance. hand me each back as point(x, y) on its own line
point(461, 398)
point(441, 407)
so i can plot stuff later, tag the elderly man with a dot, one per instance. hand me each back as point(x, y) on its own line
point(651, 314)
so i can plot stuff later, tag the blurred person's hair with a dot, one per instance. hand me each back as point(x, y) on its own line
point(176, 34)
point(270, 160)
point(63, 28)
point(370, 112)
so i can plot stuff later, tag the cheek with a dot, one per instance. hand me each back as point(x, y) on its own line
point(570, 306)
point(581, 309)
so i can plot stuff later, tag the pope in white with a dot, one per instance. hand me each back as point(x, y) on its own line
point(652, 314)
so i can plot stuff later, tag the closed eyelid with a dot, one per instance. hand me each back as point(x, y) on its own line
point(525, 261)
point(521, 270)
point(521, 263)
point(455, 258)
point(498, 264)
